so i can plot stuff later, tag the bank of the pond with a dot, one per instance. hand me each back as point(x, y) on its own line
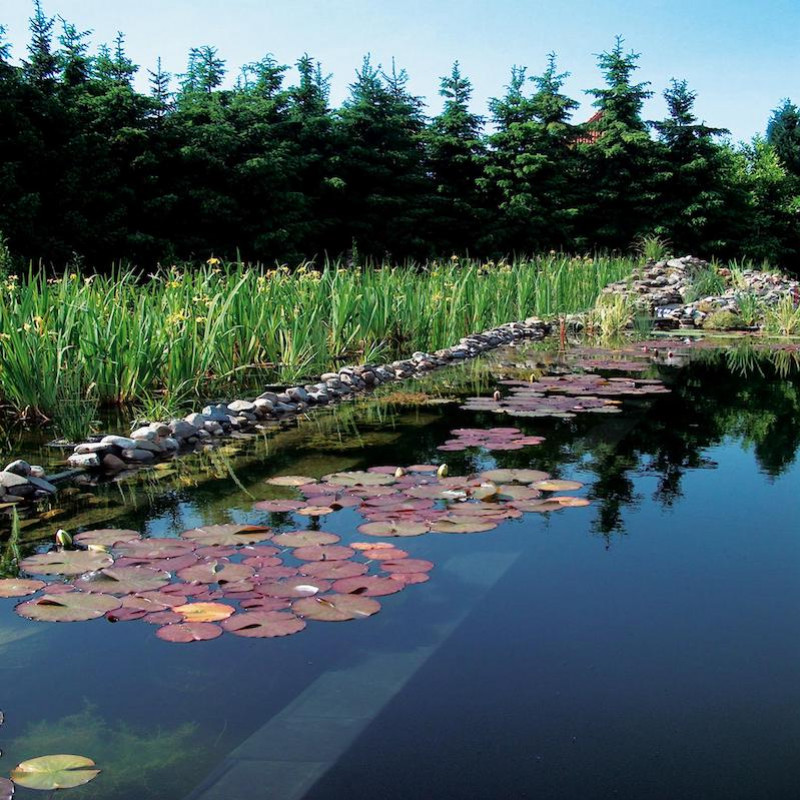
point(159, 440)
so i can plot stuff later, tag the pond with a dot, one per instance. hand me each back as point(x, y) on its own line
point(644, 645)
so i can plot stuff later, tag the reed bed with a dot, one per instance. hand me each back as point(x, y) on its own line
point(203, 331)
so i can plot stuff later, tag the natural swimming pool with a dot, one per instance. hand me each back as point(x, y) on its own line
point(642, 646)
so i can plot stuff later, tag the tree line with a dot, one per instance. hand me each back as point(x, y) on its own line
point(92, 169)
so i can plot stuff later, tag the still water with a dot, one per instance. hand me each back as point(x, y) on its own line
point(645, 646)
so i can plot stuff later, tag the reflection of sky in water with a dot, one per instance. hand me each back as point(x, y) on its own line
point(645, 646)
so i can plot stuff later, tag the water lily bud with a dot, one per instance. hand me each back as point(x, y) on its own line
point(442, 471)
point(399, 472)
point(497, 394)
point(63, 539)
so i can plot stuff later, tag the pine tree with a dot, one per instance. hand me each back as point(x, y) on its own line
point(529, 163)
point(41, 67)
point(783, 133)
point(160, 90)
point(73, 57)
point(618, 159)
point(383, 165)
point(455, 153)
point(694, 204)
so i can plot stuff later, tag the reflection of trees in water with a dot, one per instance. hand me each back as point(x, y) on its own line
point(748, 396)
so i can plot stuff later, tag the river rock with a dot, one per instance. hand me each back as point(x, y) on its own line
point(19, 467)
point(12, 482)
point(123, 442)
point(147, 433)
point(181, 429)
point(113, 463)
point(84, 460)
point(238, 406)
point(137, 454)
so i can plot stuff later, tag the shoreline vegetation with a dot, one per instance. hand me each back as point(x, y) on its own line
point(71, 344)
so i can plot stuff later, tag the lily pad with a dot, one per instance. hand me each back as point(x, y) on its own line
point(290, 480)
point(385, 554)
point(216, 572)
point(336, 607)
point(68, 607)
point(514, 475)
point(187, 632)
point(393, 528)
point(469, 525)
point(155, 548)
point(409, 578)
point(295, 587)
point(48, 773)
point(107, 536)
point(571, 502)
point(367, 585)
point(19, 587)
point(228, 534)
point(278, 506)
point(123, 580)
point(407, 565)
point(334, 570)
point(264, 624)
point(357, 478)
point(304, 538)
point(66, 562)
point(555, 485)
point(6, 789)
point(315, 511)
point(204, 612)
point(323, 552)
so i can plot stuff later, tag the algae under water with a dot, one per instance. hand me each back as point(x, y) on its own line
point(642, 646)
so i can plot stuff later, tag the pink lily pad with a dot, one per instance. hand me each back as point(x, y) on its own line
point(336, 607)
point(264, 624)
point(228, 534)
point(68, 607)
point(367, 585)
point(295, 587)
point(278, 506)
point(216, 572)
point(187, 632)
point(334, 570)
point(19, 587)
point(407, 565)
point(107, 537)
point(123, 580)
point(304, 538)
point(66, 562)
point(323, 552)
point(393, 528)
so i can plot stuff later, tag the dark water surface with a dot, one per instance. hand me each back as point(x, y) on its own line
point(646, 646)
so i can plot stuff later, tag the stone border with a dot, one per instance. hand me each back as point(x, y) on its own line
point(159, 441)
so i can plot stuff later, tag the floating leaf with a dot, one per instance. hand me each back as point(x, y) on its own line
point(163, 618)
point(407, 565)
point(315, 511)
point(334, 570)
point(6, 789)
point(123, 580)
point(372, 546)
point(266, 604)
point(571, 502)
point(554, 485)
point(385, 554)
point(264, 624)
point(48, 773)
point(357, 478)
point(393, 528)
point(304, 538)
point(336, 607)
point(68, 607)
point(187, 632)
point(537, 506)
point(368, 585)
point(107, 536)
point(66, 562)
point(228, 534)
point(156, 548)
point(514, 475)
point(295, 587)
point(473, 525)
point(216, 572)
point(19, 587)
point(409, 578)
point(204, 612)
point(290, 480)
point(323, 552)
point(278, 506)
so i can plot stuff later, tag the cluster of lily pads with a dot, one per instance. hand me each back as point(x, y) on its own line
point(490, 439)
point(254, 581)
point(564, 396)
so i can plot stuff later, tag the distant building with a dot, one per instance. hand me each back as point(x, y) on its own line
point(587, 133)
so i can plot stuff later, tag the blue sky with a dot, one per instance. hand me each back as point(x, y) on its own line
point(741, 56)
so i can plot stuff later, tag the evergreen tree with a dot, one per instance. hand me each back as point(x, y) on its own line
point(455, 154)
point(387, 190)
point(617, 159)
point(530, 161)
point(41, 67)
point(783, 133)
point(695, 206)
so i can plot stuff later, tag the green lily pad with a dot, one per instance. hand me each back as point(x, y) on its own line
point(216, 572)
point(393, 528)
point(304, 538)
point(68, 607)
point(48, 773)
point(290, 480)
point(66, 562)
point(514, 475)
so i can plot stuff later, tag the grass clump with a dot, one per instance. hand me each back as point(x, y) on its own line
point(723, 321)
point(783, 319)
